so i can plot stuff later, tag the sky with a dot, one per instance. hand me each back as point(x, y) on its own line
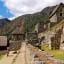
point(14, 8)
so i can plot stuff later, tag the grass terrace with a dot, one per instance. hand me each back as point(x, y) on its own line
point(59, 54)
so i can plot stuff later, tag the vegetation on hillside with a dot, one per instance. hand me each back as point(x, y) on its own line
point(30, 20)
point(8, 28)
point(59, 54)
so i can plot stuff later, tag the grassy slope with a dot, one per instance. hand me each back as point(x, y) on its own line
point(59, 54)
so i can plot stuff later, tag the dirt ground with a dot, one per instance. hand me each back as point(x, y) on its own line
point(15, 58)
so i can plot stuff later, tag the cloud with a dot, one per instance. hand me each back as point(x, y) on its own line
point(1, 16)
point(20, 7)
point(12, 17)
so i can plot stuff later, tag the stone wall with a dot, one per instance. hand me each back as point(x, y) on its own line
point(53, 18)
point(32, 38)
point(15, 45)
point(56, 40)
point(16, 37)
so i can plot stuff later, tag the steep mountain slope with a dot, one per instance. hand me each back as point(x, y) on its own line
point(33, 19)
point(10, 27)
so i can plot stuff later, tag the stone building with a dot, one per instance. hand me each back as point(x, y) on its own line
point(18, 34)
point(3, 42)
point(57, 14)
point(57, 18)
point(56, 40)
point(56, 22)
point(43, 26)
point(32, 38)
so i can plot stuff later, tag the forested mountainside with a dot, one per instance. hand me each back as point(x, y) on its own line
point(10, 27)
point(33, 19)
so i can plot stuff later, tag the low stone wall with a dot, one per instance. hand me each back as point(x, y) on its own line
point(15, 45)
point(2, 52)
point(33, 42)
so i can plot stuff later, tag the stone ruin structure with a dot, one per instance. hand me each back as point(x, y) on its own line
point(32, 38)
point(53, 33)
point(17, 36)
point(56, 40)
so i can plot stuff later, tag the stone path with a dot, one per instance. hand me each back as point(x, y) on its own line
point(8, 60)
point(29, 54)
point(21, 57)
point(18, 58)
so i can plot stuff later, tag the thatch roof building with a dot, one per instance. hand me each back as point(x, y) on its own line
point(3, 41)
point(18, 34)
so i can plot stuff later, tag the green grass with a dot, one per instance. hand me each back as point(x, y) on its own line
point(59, 54)
point(1, 57)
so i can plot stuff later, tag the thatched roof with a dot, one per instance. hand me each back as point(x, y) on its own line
point(3, 40)
point(55, 9)
point(18, 31)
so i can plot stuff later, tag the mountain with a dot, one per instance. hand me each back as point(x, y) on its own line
point(3, 22)
point(28, 21)
point(32, 19)
point(8, 28)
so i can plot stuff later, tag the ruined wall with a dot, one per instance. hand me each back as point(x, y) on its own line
point(15, 45)
point(60, 13)
point(18, 37)
point(32, 38)
point(47, 36)
point(36, 28)
point(62, 40)
point(43, 26)
point(56, 40)
point(53, 18)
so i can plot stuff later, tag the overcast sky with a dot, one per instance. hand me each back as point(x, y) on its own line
point(15, 8)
